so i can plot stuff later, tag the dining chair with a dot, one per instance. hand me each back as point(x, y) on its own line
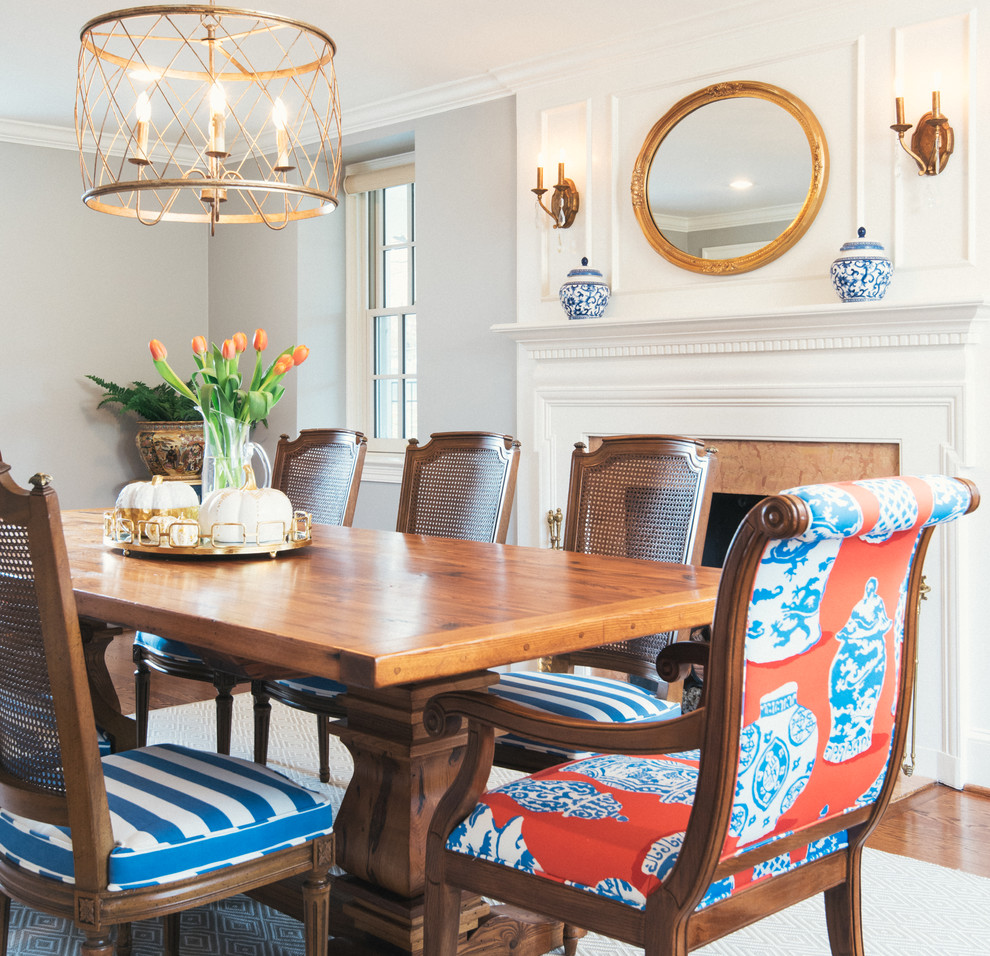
point(142, 833)
point(634, 496)
point(676, 833)
point(320, 472)
point(457, 485)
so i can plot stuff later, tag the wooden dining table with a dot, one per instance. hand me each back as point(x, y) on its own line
point(397, 618)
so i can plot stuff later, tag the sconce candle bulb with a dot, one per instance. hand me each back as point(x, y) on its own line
point(565, 200)
point(933, 140)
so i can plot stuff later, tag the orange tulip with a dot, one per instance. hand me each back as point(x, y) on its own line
point(283, 364)
point(199, 345)
point(240, 341)
point(300, 354)
point(158, 351)
point(228, 351)
point(260, 340)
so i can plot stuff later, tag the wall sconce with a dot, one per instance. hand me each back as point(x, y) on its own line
point(933, 140)
point(565, 200)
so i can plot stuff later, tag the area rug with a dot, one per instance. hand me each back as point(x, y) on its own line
point(909, 907)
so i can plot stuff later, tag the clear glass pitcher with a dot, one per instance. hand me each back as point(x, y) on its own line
point(228, 453)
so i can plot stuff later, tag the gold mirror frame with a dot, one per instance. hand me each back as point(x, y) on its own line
point(809, 209)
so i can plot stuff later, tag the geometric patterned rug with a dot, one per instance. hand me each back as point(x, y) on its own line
point(909, 907)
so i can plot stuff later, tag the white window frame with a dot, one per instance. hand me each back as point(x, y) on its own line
point(385, 456)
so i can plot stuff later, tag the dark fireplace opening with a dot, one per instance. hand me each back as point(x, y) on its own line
point(726, 514)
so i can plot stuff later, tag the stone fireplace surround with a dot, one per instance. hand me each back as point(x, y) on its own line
point(820, 393)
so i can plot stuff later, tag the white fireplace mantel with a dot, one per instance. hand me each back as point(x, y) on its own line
point(845, 326)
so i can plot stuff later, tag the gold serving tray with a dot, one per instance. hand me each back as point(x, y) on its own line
point(181, 538)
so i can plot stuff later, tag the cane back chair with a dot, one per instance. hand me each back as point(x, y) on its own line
point(457, 485)
point(141, 833)
point(320, 472)
point(634, 496)
point(677, 833)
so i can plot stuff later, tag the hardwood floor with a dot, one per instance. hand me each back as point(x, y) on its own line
point(927, 821)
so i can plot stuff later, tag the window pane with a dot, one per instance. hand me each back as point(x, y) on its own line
point(410, 344)
point(411, 408)
point(398, 285)
point(397, 208)
point(388, 411)
point(387, 345)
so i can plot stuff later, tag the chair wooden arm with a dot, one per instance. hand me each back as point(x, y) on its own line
point(444, 712)
point(675, 661)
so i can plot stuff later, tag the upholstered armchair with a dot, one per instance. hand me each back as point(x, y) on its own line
point(634, 496)
point(457, 485)
point(138, 834)
point(320, 472)
point(678, 832)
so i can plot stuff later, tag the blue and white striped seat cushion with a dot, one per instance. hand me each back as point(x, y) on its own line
point(585, 698)
point(163, 647)
point(175, 813)
point(317, 686)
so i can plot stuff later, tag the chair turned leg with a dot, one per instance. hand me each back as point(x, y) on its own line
point(571, 936)
point(323, 739)
point(171, 928)
point(843, 916)
point(124, 939)
point(316, 914)
point(225, 710)
point(4, 923)
point(97, 944)
point(262, 721)
point(142, 695)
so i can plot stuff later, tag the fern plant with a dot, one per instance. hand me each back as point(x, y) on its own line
point(159, 403)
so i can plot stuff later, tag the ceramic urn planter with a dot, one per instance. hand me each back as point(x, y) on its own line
point(861, 273)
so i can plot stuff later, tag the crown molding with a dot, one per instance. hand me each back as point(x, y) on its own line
point(37, 134)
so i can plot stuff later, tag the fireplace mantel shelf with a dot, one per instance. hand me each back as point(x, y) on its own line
point(778, 330)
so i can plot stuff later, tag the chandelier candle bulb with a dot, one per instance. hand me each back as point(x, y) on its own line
point(279, 118)
point(142, 110)
point(218, 105)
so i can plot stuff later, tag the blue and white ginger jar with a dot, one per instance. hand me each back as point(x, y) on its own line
point(862, 272)
point(584, 293)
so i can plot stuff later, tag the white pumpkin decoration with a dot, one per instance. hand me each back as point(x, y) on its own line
point(246, 515)
point(141, 501)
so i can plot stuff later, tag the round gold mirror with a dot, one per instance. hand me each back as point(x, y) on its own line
point(730, 177)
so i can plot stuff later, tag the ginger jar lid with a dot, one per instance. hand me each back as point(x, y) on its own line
point(585, 273)
point(861, 247)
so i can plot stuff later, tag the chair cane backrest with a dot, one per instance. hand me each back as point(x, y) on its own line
point(320, 472)
point(809, 679)
point(45, 705)
point(638, 496)
point(459, 485)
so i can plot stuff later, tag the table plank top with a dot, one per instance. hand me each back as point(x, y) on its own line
point(377, 608)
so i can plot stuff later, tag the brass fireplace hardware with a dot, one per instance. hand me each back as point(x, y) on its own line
point(555, 521)
point(565, 200)
point(932, 141)
point(203, 113)
point(909, 761)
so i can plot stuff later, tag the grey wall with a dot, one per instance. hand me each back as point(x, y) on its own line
point(83, 293)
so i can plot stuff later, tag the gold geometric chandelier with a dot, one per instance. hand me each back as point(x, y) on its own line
point(205, 113)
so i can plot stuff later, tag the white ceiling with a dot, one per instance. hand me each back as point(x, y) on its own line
point(388, 51)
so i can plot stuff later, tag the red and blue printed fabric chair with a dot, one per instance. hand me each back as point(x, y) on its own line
point(142, 833)
point(677, 833)
point(633, 496)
